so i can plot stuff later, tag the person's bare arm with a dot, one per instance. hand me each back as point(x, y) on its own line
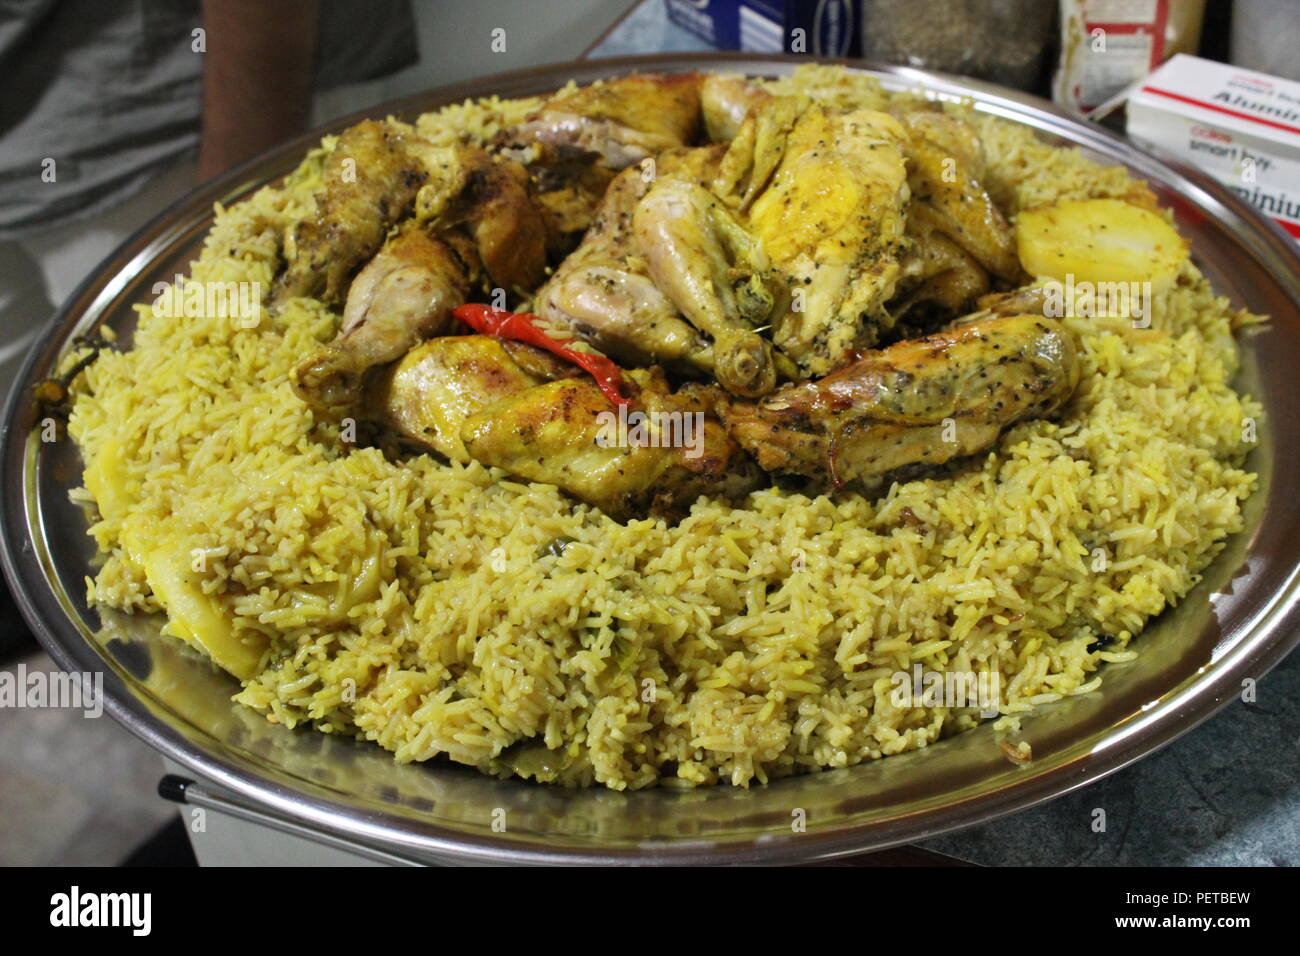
point(257, 77)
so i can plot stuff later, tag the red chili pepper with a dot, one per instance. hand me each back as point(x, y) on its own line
point(520, 327)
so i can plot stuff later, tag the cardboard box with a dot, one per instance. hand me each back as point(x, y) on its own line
point(821, 27)
point(1240, 126)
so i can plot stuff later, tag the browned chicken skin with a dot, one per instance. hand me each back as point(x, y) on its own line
point(475, 218)
point(957, 239)
point(488, 197)
point(565, 433)
point(922, 401)
point(468, 398)
point(429, 394)
point(946, 169)
point(475, 221)
point(936, 271)
point(370, 181)
point(621, 121)
point(574, 143)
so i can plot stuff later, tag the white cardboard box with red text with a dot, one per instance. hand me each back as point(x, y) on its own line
point(1240, 126)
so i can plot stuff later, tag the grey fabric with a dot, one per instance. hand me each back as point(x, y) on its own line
point(110, 91)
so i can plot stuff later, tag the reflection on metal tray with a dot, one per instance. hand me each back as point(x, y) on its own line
point(1236, 624)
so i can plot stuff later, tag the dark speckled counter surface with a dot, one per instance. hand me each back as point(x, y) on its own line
point(1223, 794)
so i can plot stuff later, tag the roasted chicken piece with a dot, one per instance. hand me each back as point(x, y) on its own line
point(757, 149)
point(716, 275)
point(370, 181)
point(1027, 300)
point(571, 201)
point(946, 169)
point(726, 99)
point(405, 294)
point(936, 272)
point(521, 409)
point(919, 402)
point(602, 292)
point(474, 222)
point(621, 121)
point(487, 196)
point(566, 433)
point(429, 393)
point(831, 220)
point(574, 144)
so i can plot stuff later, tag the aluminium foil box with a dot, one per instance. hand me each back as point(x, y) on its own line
point(1240, 126)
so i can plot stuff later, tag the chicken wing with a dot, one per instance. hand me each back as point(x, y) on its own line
point(946, 168)
point(725, 101)
point(757, 149)
point(921, 401)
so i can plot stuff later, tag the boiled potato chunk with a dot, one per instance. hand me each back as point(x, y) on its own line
point(107, 481)
point(193, 615)
point(1099, 240)
point(198, 618)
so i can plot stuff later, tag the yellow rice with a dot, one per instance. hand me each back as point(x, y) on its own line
point(744, 643)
